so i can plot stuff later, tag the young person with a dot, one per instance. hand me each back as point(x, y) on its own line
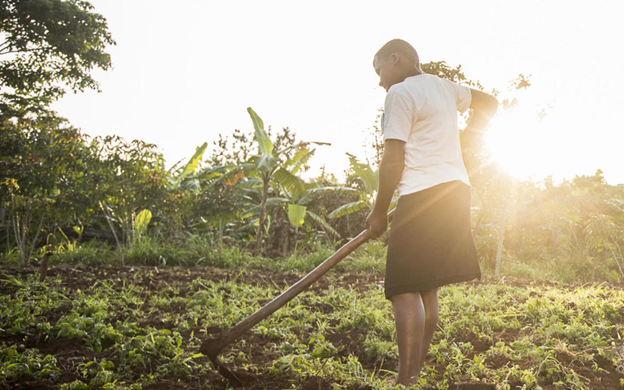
point(430, 243)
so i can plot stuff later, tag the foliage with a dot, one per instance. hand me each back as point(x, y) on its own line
point(16, 366)
point(365, 183)
point(43, 164)
point(57, 185)
point(129, 177)
point(269, 180)
point(53, 176)
point(141, 326)
point(575, 225)
point(47, 45)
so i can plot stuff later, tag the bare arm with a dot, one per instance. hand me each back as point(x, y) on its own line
point(483, 107)
point(390, 170)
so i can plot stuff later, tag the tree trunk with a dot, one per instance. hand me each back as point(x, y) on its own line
point(265, 195)
point(501, 236)
point(285, 244)
point(220, 232)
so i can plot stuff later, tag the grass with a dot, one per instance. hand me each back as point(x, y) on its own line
point(202, 250)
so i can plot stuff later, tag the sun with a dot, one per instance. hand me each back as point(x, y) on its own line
point(519, 142)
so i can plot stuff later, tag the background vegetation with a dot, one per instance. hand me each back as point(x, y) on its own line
point(60, 189)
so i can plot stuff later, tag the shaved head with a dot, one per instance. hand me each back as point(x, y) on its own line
point(399, 46)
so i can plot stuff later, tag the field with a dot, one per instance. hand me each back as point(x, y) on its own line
point(150, 258)
point(118, 327)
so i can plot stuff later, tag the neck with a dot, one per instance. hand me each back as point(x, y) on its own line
point(413, 72)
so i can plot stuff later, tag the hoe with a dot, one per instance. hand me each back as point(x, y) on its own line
point(213, 347)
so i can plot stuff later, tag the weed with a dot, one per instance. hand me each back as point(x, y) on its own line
point(298, 263)
point(11, 256)
point(150, 251)
point(90, 253)
point(16, 366)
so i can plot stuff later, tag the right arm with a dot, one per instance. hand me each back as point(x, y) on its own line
point(390, 171)
point(483, 107)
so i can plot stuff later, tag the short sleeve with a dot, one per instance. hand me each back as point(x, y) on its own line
point(398, 116)
point(463, 96)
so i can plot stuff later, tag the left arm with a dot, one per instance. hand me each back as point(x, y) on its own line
point(483, 107)
point(390, 170)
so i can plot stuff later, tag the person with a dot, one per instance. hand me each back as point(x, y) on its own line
point(430, 242)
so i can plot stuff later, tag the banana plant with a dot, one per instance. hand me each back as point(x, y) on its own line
point(268, 168)
point(368, 185)
point(368, 180)
point(269, 179)
point(296, 205)
point(297, 209)
point(186, 179)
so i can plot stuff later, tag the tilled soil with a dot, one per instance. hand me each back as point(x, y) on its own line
point(68, 352)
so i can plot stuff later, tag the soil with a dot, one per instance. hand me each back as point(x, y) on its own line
point(68, 352)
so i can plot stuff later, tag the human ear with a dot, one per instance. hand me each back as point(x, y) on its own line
point(395, 58)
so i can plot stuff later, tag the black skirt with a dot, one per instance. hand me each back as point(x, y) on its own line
point(430, 242)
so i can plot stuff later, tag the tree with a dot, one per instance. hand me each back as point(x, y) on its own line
point(128, 177)
point(234, 183)
point(42, 174)
point(52, 176)
point(45, 46)
point(267, 166)
point(269, 177)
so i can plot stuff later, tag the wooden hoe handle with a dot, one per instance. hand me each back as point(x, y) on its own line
point(213, 347)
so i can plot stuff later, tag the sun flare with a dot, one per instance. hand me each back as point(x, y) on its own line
point(519, 142)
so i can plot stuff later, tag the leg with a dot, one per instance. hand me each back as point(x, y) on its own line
point(430, 302)
point(409, 316)
point(416, 317)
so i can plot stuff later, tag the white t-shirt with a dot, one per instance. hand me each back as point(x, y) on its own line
point(422, 111)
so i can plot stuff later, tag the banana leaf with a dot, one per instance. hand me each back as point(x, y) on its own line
point(141, 221)
point(348, 208)
point(296, 214)
point(368, 176)
point(212, 173)
point(264, 143)
point(250, 183)
point(290, 182)
point(193, 163)
point(264, 163)
point(332, 189)
point(302, 160)
point(271, 202)
point(321, 221)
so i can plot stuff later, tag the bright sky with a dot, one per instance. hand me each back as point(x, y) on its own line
point(186, 71)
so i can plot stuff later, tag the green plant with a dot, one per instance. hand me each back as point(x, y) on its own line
point(16, 366)
point(366, 183)
point(49, 46)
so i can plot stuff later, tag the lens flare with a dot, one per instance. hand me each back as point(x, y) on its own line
point(519, 142)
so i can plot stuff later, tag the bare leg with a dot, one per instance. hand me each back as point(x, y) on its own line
point(430, 302)
point(416, 317)
point(409, 316)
